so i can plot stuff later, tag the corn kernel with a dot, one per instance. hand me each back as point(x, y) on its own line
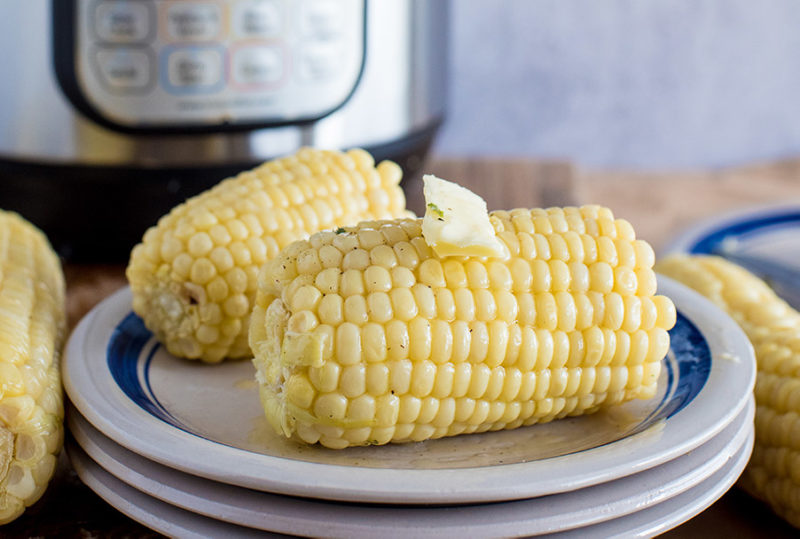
point(407, 257)
point(353, 382)
point(446, 304)
point(383, 256)
point(357, 259)
point(355, 310)
point(377, 279)
point(400, 371)
point(423, 378)
point(202, 271)
point(419, 339)
point(377, 379)
point(403, 304)
point(464, 304)
point(351, 283)
point(348, 344)
point(236, 306)
point(402, 277)
point(454, 274)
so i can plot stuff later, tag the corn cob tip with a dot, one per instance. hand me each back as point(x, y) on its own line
point(194, 275)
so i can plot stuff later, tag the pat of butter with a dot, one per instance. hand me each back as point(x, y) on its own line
point(456, 221)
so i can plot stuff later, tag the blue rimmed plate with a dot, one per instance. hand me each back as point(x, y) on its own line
point(772, 232)
point(206, 420)
point(764, 240)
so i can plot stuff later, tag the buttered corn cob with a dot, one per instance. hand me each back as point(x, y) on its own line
point(368, 337)
point(32, 327)
point(773, 473)
point(194, 275)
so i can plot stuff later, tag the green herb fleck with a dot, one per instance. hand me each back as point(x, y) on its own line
point(435, 209)
point(340, 230)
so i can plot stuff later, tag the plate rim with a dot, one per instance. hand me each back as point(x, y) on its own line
point(131, 501)
point(143, 474)
point(158, 441)
point(687, 238)
point(670, 513)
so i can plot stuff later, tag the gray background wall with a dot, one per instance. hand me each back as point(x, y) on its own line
point(647, 83)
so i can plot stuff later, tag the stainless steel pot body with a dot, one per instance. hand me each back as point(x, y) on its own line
point(400, 90)
point(153, 100)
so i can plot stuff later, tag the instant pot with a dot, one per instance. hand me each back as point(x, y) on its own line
point(113, 111)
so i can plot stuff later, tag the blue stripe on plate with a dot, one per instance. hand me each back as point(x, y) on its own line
point(688, 366)
point(124, 356)
point(710, 243)
point(693, 358)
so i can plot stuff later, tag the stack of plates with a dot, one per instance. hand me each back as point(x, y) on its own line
point(184, 449)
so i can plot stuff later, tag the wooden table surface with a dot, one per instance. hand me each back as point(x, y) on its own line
point(659, 205)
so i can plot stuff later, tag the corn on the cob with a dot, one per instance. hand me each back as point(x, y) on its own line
point(194, 275)
point(368, 337)
point(32, 328)
point(773, 473)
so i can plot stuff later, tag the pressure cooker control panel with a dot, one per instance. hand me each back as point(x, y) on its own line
point(209, 64)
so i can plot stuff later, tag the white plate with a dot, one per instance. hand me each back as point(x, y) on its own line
point(206, 420)
point(665, 516)
point(159, 516)
point(764, 240)
point(317, 518)
point(772, 232)
point(176, 522)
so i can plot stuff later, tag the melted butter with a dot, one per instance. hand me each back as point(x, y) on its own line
point(525, 444)
point(264, 439)
point(620, 418)
point(656, 429)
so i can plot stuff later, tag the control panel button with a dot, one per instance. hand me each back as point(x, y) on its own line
point(194, 69)
point(257, 18)
point(124, 68)
point(321, 19)
point(190, 21)
point(257, 65)
point(119, 21)
point(153, 64)
point(320, 62)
